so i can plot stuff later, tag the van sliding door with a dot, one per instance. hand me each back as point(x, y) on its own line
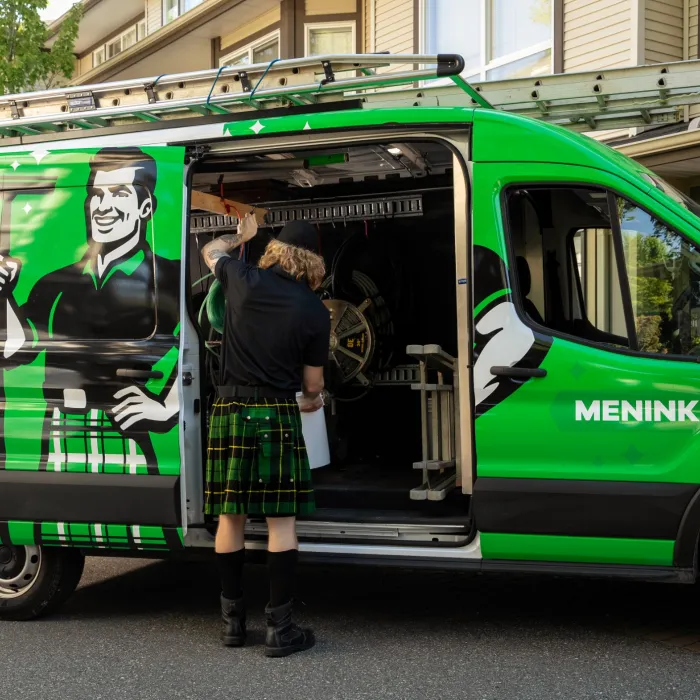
point(90, 321)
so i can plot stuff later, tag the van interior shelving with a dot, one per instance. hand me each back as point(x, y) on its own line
point(385, 219)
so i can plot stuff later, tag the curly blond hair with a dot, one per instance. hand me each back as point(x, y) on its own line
point(297, 262)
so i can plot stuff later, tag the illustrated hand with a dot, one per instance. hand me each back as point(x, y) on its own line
point(510, 340)
point(310, 405)
point(248, 227)
point(138, 405)
point(9, 271)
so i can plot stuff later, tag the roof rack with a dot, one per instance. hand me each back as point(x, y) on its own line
point(587, 101)
point(230, 89)
point(598, 100)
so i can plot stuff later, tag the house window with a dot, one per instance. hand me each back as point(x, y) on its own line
point(172, 9)
point(263, 50)
point(499, 39)
point(98, 57)
point(119, 43)
point(114, 48)
point(330, 38)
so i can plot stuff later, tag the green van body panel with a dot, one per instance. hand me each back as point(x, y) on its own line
point(544, 441)
point(103, 227)
point(37, 217)
point(347, 119)
point(584, 550)
point(94, 535)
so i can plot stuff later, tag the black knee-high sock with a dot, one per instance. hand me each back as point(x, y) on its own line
point(282, 569)
point(231, 573)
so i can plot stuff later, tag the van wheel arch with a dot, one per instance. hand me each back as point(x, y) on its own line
point(687, 549)
point(35, 581)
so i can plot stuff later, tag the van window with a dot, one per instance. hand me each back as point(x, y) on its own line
point(664, 278)
point(598, 267)
point(596, 281)
point(567, 272)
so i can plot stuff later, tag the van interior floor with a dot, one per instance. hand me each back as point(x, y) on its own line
point(372, 492)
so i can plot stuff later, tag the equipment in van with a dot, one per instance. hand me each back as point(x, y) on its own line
point(514, 307)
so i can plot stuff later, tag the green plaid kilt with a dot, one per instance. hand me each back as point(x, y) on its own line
point(256, 460)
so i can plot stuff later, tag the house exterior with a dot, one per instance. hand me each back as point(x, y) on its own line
point(500, 39)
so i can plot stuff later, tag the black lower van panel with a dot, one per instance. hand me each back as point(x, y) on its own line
point(41, 496)
point(581, 508)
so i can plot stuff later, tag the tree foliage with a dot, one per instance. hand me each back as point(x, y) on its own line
point(25, 62)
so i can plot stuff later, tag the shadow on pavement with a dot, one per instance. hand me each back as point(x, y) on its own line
point(383, 595)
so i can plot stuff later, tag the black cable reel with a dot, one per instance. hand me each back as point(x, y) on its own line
point(362, 329)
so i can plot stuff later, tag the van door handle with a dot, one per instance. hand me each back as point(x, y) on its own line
point(139, 374)
point(519, 372)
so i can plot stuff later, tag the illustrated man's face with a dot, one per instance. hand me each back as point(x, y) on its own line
point(115, 210)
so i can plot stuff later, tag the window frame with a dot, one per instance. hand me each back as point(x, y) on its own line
point(514, 283)
point(275, 35)
point(180, 11)
point(120, 38)
point(571, 248)
point(486, 25)
point(345, 23)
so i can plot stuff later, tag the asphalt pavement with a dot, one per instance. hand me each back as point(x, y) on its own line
point(149, 630)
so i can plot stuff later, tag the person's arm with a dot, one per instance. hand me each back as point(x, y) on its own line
point(220, 247)
point(312, 386)
point(315, 358)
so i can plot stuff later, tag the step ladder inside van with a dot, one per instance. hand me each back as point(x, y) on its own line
point(437, 387)
point(609, 99)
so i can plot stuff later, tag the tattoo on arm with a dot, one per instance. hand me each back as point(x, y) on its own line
point(219, 248)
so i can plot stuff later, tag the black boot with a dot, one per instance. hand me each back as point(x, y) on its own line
point(283, 637)
point(233, 616)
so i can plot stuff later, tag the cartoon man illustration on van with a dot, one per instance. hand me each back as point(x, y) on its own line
point(109, 334)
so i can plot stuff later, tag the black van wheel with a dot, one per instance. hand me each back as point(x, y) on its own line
point(34, 581)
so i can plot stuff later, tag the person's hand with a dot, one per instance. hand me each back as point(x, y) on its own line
point(248, 227)
point(310, 405)
point(137, 406)
point(9, 271)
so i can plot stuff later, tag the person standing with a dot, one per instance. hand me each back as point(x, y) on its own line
point(275, 343)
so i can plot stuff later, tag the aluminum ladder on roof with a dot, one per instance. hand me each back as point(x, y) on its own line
point(608, 99)
point(589, 101)
point(228, 90)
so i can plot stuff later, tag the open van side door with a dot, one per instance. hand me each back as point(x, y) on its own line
point(91, 245)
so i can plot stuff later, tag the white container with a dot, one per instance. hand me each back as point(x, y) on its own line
point(313, 426)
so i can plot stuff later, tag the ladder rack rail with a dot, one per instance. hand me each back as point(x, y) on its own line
point(295, 81)
point(588, 101)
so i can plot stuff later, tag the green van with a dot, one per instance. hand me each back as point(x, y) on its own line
point(513, 379)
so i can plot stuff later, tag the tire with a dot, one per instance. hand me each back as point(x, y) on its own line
point(36, 581)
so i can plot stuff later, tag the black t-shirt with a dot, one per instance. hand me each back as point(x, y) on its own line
point(274, 326)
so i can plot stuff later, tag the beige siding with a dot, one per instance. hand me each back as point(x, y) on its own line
point(154, 15)
point(693, 53)
point(393, 27)
point(367, 6)
point(330, 7)
point(84, 64)
point(597, 34)
point(663, 32)
point(256, 25)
